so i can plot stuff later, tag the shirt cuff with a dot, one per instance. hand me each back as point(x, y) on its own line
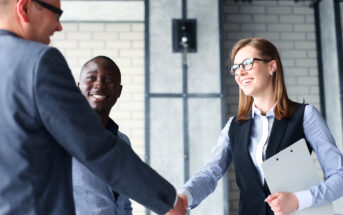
point(188, 195)
point(176, 198)
point(305, 199)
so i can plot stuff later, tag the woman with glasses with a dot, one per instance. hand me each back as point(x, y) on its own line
point(267, 121)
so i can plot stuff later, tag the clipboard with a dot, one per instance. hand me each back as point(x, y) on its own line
point(292, 170)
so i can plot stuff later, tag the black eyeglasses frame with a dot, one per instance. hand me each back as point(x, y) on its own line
point(239, 65)
point(50, 7)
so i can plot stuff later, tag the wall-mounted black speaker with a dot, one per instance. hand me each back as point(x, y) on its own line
point(184, 28)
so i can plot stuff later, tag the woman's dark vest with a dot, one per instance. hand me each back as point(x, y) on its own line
point(284, 133)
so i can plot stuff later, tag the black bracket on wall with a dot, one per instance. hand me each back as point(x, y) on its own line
point(184, 35)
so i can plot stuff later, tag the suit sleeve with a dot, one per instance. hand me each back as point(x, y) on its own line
point(69, 119)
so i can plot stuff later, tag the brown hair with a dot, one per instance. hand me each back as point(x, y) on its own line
point(284, 107)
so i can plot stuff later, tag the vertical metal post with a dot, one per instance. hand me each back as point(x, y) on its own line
point(185, 96)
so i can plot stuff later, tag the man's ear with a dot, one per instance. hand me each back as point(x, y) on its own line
point(23, 10)
point(120, 89)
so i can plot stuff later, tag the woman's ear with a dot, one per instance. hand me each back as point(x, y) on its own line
point(272, 67)
point(23, 10)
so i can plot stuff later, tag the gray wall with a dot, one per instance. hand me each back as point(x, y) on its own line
point(190, 115)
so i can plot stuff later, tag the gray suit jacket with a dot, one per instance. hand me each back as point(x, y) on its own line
point(41, 128)
point(91, 195)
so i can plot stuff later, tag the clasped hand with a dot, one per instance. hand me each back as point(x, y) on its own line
point(283, 203)
point(180, 207)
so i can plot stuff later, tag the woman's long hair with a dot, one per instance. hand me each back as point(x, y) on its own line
point(284, 107)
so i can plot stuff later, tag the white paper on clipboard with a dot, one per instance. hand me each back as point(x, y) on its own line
point(293, 170)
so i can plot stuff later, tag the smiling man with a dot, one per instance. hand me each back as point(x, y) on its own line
point(45, 121)
point(100, 83)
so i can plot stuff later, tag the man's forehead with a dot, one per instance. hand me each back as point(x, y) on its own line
point(105, 68)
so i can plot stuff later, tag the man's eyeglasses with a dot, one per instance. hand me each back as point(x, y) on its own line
point(51, 8)
point(246, 64)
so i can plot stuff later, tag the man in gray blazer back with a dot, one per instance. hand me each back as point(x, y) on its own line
point(40, 127)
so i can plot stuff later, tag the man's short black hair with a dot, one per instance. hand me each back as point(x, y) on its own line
point(108, 60)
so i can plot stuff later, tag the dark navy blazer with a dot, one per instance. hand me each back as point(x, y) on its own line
point(41, 128)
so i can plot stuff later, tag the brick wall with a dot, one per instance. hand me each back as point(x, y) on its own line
point(124, 43)
point(290, 26)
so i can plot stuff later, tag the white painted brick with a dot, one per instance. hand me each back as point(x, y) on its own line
point(138, 44)
point(288, 62)
point(78, 53)
point(290, 81)
point(138, 27)
point(123, 61)
point(313, 71)
point(138, 62)
point(231, 27)
point(131, 36)
point(292, 19)
point(304, 28)
point(131, 53)
point(238, 35)
point(265, 3)
point(239, 18)
point(303, 10)
point(138, 79)
point(91, 44)
point(268, 35)
point(298, 90)
point(253, 10)
point(117, 44)
point(281, 45)
point(91, 27)
point(266, 18)
point(312, 54)
point(280, 27)
point(308, 81)
point(294, 72)
point(306, 63)
point(134, 88)
point(314, 90)
point(279, 10)
point(305, 45)
point(118, 27)
point(64, 44)
point(312, 99)
point(293, 36)
point(107, 36)
point(230, 9)
point(69, 27)
point(78, 36)
point(58, 36)
point(309, 19)
point(311, 36)
point(291, 3)
point(107, 52)
point(137, 97)
point(254, 27)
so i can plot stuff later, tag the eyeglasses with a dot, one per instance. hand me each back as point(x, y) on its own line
point(246, 64)
point(51, 8)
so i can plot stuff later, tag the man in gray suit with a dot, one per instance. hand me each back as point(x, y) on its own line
point(41, 128)
point(100, 83)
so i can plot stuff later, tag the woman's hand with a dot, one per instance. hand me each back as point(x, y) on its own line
point(283, 203)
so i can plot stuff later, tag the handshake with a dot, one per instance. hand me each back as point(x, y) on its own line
point(180, 207)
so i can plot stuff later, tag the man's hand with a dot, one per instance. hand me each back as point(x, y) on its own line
point(180, 207)
point(283, 203)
